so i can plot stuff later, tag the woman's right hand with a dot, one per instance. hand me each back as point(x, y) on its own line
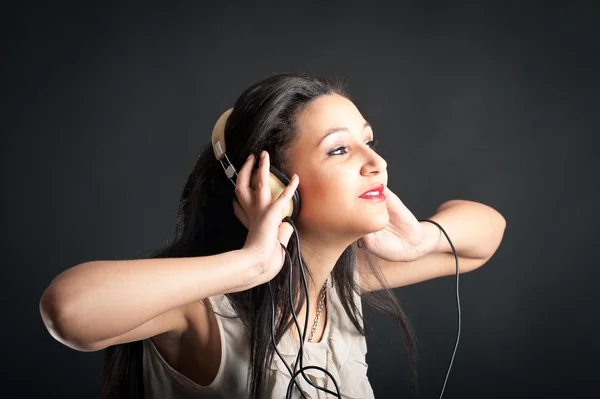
point(263, 217)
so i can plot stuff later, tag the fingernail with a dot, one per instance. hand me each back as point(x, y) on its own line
point(263, 153)
point(250, 157)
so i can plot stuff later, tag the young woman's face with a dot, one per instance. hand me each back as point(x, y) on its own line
point(336, 165)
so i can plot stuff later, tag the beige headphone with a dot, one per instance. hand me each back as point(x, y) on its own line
point(277, 180)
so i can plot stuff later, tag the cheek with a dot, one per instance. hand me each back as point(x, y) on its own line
point(334, 206)
point(326, 199)
point(312, 192)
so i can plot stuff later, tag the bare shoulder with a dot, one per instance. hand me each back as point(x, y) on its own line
point(196, 352)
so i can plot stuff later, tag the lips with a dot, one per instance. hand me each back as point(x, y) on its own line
point(374, 192)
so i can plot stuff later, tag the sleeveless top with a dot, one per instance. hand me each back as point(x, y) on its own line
point(341, 351)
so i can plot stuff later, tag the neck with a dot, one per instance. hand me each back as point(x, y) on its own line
point(320, 255)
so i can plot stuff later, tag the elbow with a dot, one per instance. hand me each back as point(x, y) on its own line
point(60, 322)
point(501, 229)
point(502, 222)
point(496, 241)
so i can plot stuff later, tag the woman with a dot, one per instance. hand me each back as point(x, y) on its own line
point(194, 320)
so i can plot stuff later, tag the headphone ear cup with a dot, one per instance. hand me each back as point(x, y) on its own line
point(278, 181)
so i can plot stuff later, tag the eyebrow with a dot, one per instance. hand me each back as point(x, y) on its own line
point(340, 129)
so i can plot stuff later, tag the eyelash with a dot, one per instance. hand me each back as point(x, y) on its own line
point(372, 144)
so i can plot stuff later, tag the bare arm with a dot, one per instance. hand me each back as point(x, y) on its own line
point(95, 301)
point(101, 303)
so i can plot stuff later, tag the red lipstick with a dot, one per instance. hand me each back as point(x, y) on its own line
point(374, 193)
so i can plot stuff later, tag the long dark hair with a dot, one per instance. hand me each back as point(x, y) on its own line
point(263, 118)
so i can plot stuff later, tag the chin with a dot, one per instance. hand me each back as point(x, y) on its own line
point(377, 222)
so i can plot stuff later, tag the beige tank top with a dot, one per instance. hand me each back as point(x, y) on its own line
point(341, 351)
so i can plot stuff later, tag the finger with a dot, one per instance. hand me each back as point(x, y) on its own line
point(242, 182)
point(277, 208)
point(285, 232)
point(263, 190)
point(240, 214)
point(288, 191)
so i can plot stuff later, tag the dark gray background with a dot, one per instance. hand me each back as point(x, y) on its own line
point(105, 108)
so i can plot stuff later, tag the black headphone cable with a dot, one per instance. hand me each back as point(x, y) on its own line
point(294, 373)
point(300, 355)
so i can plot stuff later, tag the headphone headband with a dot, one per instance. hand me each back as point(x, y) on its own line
point(218, 135)
point(218, 144)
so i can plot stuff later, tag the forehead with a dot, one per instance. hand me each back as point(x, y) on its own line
point(324, 113)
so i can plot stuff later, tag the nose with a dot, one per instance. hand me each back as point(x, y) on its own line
point(374, 163)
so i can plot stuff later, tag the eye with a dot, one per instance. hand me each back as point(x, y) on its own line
point(372, 144)
point(338, 149)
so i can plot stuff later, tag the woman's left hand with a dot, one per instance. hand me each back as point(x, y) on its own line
point(403, 239)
